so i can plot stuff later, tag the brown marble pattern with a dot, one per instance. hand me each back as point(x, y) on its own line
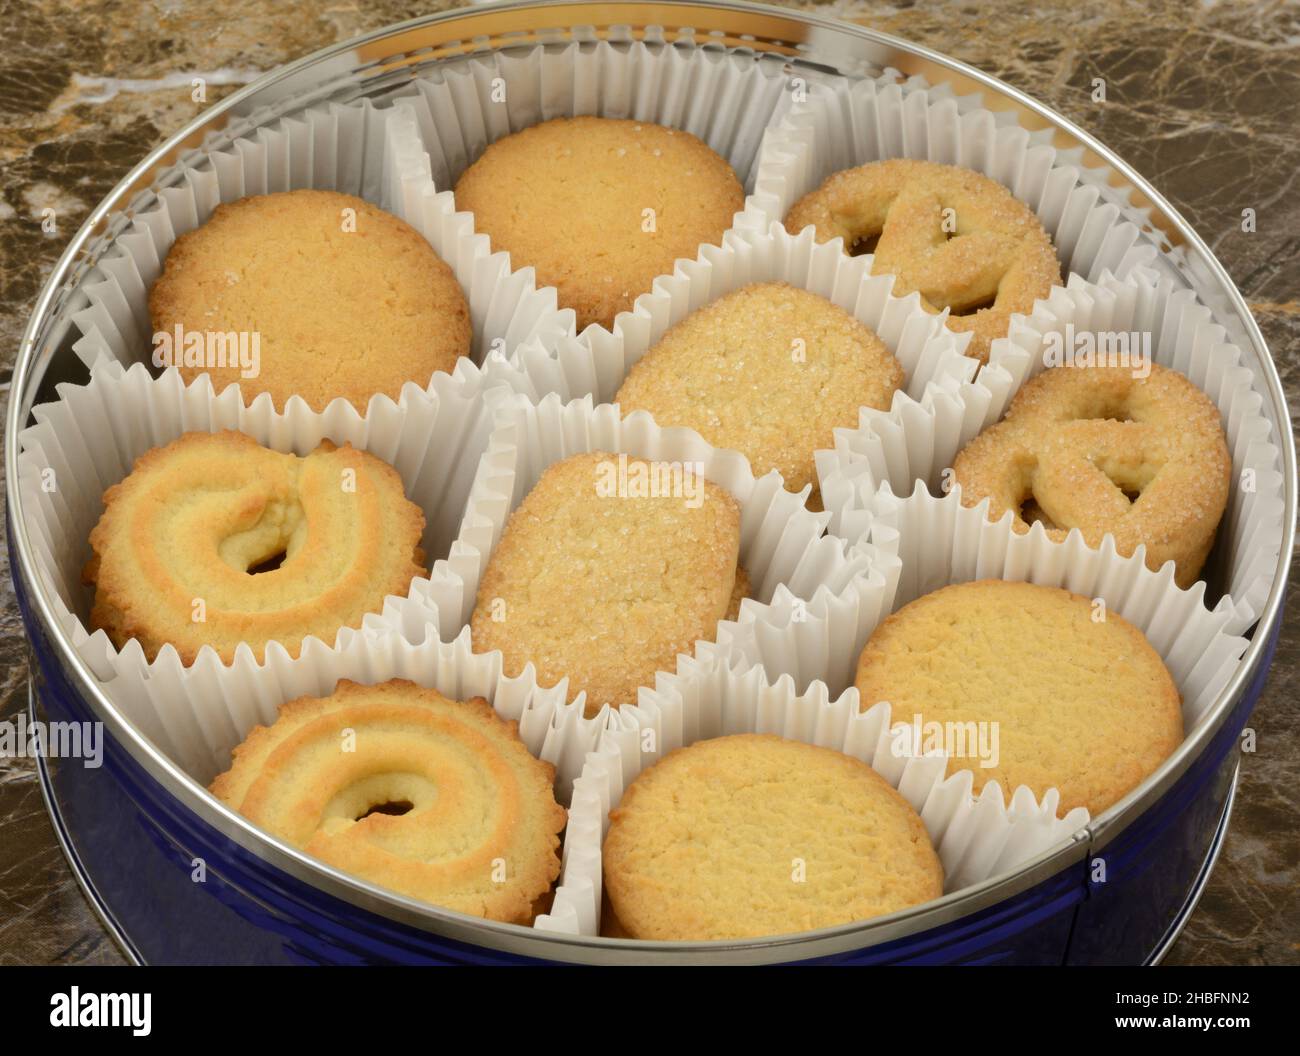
point(1200, 98)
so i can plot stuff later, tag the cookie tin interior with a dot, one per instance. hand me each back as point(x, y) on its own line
point(375, 65)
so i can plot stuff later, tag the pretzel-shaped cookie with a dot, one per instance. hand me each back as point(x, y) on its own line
point(957, 238)
point(1098, 449)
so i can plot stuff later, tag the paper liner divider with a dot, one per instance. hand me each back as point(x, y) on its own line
point(724, 96)
point(939, 541)
point(197, 715)
point(89, 438)
point(922, 443)
point(1092, 224)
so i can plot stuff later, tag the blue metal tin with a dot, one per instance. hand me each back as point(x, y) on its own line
point(181, 878)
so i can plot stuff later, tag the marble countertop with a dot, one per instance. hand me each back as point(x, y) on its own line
point(1201, 99)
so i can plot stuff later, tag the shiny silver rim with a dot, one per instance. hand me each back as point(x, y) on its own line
point(826, 40)
point(1202, 878)
point(103, 912)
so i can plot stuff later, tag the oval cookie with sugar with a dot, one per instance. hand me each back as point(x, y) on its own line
point(608, 569)
point(768, 370)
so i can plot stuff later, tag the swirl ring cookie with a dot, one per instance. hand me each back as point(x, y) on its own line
point(182, 549)
point(600, 207)
point(1066, 700)
point(752, 835)
point(768, 370)
point(954, 236)
point(341, 299)
point(1095, 448)
point(434, 798)
point(599, 579)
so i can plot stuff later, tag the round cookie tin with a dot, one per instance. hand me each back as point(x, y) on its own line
point(140, 831)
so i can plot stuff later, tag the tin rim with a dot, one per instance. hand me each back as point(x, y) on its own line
point(415, 43)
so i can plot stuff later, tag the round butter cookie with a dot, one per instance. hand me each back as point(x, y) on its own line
point(752, 835)
point(599, 578)
point(599, 207)
point(1069, 702)
point(770, 371)
point(215, 540)
point(1143, 459)
point(954, 236)
point(434, 798)
point(343, 299)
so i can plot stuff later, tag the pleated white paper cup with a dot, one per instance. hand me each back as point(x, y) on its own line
point(782, 546)
point(356, 149)
point(785, 161)
point(922, 445)
point(507, 308)
point(939, 541)
point(89, 439)
point(597, 362)
point(197, 715)
point(1092, 224)
point(725, 97)
point(716, 694)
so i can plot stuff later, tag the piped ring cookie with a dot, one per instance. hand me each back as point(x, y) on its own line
point(753, 835)
point(600, 207)
point(954, 236)
point(1099, 449)
point(609, 568)
point(769, 370)
point(215, 540)
point(308, 293)
point(434, 798)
